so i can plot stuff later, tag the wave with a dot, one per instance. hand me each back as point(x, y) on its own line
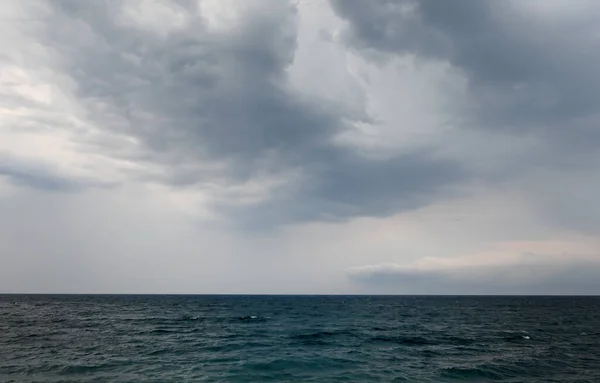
point(89, 368)
point(471, 373)
point(409, 340)
point(321, 334)
point(251, 318)
point(517, 337)
point(164, 331)
point(321, 337)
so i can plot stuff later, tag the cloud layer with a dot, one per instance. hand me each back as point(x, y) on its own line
point(270, 123)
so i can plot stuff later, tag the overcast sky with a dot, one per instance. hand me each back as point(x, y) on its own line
point(265, 146)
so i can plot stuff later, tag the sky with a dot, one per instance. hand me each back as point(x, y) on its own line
point(300, 147)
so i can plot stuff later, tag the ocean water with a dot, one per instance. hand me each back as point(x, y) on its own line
point(298, 339)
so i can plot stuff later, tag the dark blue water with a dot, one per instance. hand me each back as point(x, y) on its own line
point(298, 339)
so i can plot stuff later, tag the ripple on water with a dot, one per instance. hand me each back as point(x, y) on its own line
point(283, 339)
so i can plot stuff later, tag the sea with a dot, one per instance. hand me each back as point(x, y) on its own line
point(228, 338)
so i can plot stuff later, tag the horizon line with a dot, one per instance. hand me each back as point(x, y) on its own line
point(304, 294)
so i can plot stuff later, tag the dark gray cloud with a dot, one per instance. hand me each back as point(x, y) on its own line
point(41, 176)
point(193, 96)
point(350, 186)
point(39, 180)
point(525, 73)
point(530, 72)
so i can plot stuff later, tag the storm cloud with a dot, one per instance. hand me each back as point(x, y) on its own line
point(347, 133)
point(191, 94)
point(527, 68)
point(529, 72)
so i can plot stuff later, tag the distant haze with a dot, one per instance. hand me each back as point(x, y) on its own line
point(266, 146)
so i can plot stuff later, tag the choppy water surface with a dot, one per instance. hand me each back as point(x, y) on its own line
point(298, 339)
